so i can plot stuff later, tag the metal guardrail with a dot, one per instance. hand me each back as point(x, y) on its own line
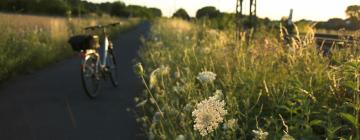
point(331, 39)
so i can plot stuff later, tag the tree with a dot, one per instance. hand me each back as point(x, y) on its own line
point(119, 9)
point(138, 11)
point(353, 12)
point(3, 5)
point(156, 12)
point(22, 6)
point(181, 13)
point(209, 12)
point(105, 7)
point(54, 7)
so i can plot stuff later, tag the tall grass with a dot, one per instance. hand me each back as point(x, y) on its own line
point(269, 91)
point(28, 43)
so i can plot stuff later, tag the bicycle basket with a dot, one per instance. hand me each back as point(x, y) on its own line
point(84, 42)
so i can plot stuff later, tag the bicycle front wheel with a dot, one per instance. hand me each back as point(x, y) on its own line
point(90, 75)
point(113, 68)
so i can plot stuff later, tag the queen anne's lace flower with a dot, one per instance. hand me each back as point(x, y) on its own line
point(260, 134)
point(208, 114)
point(206, 77)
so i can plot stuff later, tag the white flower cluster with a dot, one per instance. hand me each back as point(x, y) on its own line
point(208, 114)
point(260, 134)
point(206, 77)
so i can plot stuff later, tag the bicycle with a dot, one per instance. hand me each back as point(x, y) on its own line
point(97, 61)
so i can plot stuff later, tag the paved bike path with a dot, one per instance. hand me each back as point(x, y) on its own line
point(51, 104)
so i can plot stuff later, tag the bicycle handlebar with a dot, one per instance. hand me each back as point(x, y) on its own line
point(102, 26)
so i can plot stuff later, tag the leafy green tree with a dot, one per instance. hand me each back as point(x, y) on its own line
point(119, 9)
point(22, 6)
point(209, 12)
point(3, 4)
point(181, 13)
point(77, 8)
point(105, 7)
point(138, 11)
point(353, 12)
point(156, 12)
point(54, 7)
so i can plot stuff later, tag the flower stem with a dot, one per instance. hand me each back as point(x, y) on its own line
point(148, 89)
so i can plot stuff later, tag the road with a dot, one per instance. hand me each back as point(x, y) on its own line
point(51, 104)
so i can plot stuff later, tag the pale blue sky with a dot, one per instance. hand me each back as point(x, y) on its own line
point(274, 9)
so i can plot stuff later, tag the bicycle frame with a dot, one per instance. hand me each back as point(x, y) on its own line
point(102, 56)
point(105, 46)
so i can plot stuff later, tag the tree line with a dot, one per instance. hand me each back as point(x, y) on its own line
point(352, 22)
point(77, 8)
point(223, 20)
point(214, 16)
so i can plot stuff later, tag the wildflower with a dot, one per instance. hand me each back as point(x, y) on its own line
point(219, 94)
point(178, 88)
point(206, 50)
point(188, 107)
point(164, 70)
point(156, 38)
point(230, 124)
point(136, 99)
point(153, 78)
point(208, 114)
point(187, 38)
point(206, 77)
point(354, 59)
point(139, 70)
point(152, 100)
point(142, 103)
point(177, 74)
point(260, 134)
point(180, 137)
point(159, 92)
point(151, 135)
point(287, 137)
point(156, 117)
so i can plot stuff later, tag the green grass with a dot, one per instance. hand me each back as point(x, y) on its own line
point(28, 43)
point(293, 92)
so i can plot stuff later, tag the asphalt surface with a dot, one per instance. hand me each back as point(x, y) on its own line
point(51, 104)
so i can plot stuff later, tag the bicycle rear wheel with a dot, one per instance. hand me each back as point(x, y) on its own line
point(113, 68)
point(90, 75)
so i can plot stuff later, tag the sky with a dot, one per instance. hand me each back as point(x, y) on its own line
point(318, 10)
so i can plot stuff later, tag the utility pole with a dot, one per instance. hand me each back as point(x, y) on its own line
point(239, 15)
point(252, 14)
